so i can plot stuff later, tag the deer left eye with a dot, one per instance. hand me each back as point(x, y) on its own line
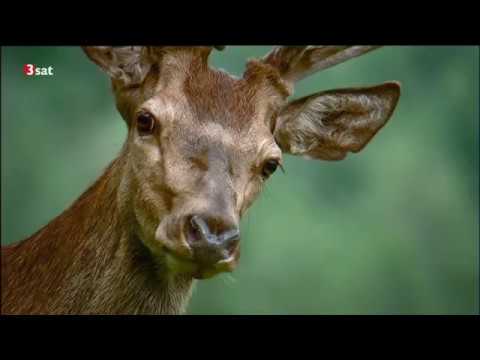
point(145, 124)
point(269, 168)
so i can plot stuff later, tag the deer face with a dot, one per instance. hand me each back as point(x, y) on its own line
point(201, 144)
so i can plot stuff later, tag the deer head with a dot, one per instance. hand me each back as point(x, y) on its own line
point(201, 143)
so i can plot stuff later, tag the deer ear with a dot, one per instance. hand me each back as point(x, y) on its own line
point(129, 64)
point(329, 124)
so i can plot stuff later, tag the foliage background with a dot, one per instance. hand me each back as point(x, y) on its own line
point(392, 230)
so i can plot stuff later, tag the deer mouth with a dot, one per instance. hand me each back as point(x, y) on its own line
point(197, 269)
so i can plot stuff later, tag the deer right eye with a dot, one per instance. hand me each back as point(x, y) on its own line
point(269, 168)
point(145, 124)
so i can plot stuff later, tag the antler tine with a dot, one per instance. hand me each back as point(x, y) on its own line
point(322, 62)
point(297, 62)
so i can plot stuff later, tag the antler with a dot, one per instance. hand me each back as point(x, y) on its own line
point(130, 64)
point(295, 63)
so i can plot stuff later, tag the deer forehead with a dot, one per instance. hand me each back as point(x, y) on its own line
point(214, 140)
point(229, 117)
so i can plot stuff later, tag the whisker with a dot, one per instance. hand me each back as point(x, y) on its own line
point(228, 279)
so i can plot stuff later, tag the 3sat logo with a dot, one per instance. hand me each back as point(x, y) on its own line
point(33, 70)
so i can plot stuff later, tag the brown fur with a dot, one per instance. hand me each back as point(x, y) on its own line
point(121, 247)
point(88, 260)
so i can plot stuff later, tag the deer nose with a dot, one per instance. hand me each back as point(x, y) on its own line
point(212, 239)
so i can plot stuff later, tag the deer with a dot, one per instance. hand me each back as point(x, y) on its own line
point(200, 146)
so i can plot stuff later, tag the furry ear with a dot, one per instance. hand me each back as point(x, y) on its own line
point(128, 64)
point(329, 124)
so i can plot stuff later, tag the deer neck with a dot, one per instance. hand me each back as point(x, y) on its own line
point(89, 260)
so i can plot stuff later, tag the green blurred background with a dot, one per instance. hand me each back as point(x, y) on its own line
point(392, 230)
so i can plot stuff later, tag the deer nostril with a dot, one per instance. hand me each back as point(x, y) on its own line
point(199, 228)
point(230, 239)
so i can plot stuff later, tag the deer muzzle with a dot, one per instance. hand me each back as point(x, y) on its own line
point(201, 245)
point(213, 241)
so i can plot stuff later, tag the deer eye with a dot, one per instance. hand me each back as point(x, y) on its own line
point(145, 124)
point(269, 168)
